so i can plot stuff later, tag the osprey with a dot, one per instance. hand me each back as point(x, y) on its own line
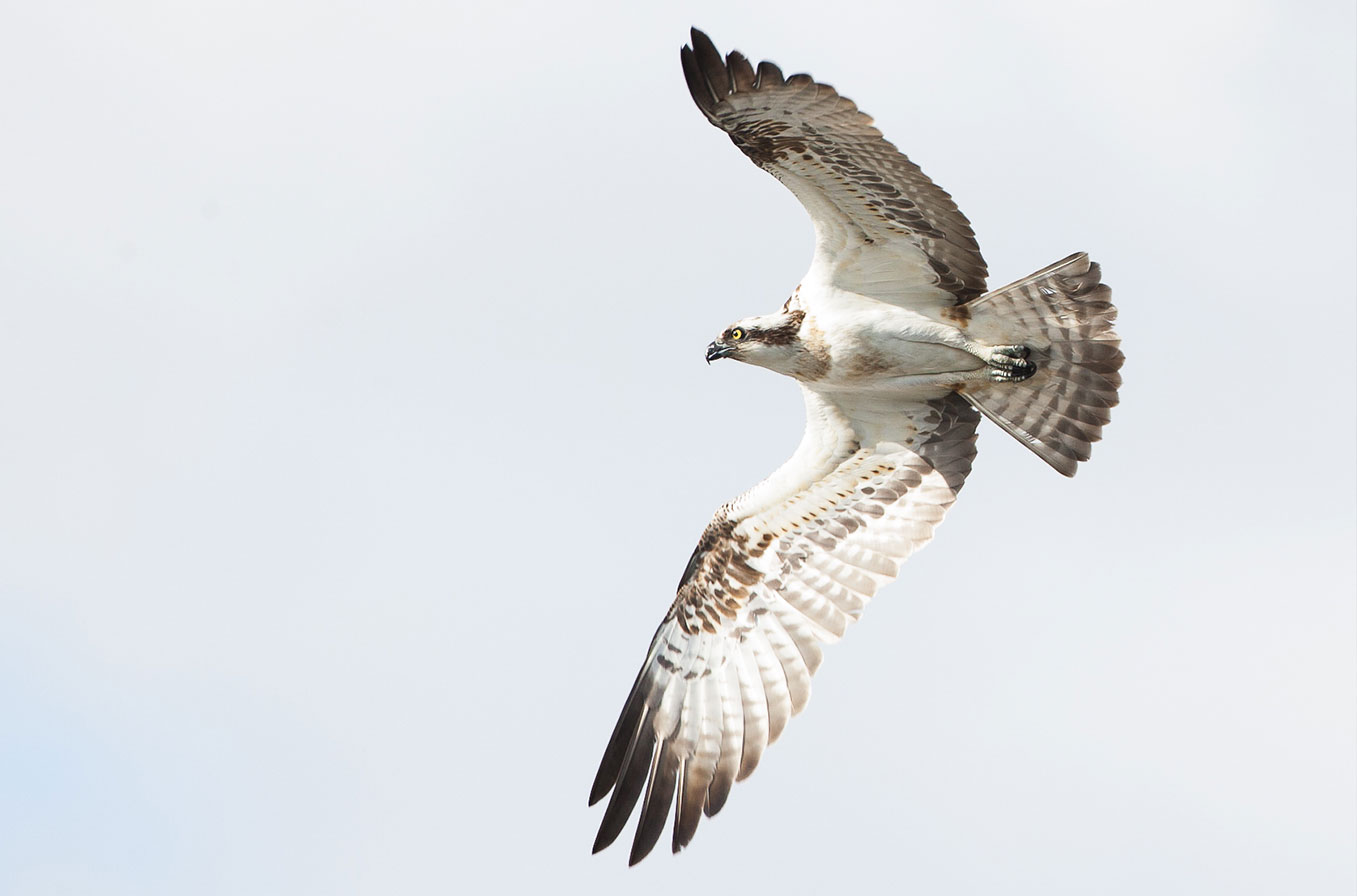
point(899, 349)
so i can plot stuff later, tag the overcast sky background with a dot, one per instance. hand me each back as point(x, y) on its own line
point(354, 431)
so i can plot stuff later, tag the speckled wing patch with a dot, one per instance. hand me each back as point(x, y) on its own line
point(873, 208)
point(733, 658)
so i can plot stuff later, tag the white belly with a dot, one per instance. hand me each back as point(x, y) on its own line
point(877, 347)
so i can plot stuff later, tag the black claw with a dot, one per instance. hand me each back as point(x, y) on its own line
point(1016, 372)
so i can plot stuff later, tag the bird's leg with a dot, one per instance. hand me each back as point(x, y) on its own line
point(953, 379)
point(1003, 363)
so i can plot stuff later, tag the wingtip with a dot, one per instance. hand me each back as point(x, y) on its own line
point(604, 838)
point(697, 38)
point(699, 85)
point(639, 850)
point(605, 779)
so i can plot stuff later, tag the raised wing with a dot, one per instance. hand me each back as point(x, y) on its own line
point(882, 227)
point(778, 572)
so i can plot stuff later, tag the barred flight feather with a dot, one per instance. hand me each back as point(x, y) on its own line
point(707, 704)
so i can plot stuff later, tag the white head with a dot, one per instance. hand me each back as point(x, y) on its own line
point(771, 340)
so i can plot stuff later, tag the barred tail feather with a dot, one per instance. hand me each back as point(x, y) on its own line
point(1064, 315)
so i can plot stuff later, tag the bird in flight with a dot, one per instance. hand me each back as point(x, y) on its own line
point(899, 348)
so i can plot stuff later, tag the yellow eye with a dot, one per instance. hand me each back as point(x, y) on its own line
point(736, 334)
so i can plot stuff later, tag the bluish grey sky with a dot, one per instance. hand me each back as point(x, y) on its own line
point(354, 431)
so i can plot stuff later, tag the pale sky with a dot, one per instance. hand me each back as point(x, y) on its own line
point(354, 431)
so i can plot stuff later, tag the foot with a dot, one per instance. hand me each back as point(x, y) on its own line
point(1009, 364)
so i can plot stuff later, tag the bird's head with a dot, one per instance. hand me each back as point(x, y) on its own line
point(771, 341)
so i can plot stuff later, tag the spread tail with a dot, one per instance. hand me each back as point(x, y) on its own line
point(1064, 315)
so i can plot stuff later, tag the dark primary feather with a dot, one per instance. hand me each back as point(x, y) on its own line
point(832, 156)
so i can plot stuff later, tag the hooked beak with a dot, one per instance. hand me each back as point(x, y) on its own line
point(717, 350)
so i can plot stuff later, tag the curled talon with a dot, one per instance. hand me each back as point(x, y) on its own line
point(1009, 355)
point(1015, 371)
point(1009, 364)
